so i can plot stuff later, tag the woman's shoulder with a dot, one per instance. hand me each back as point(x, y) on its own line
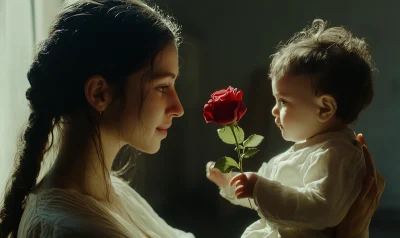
point(64, 213)
point(123, 188)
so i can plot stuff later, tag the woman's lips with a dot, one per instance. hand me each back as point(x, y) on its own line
point(163, 131)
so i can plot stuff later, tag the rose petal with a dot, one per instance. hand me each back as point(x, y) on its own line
point(230, 88)
point(239, 95)
point(224, 113)
point(232, 93)
point(240, 110)
point(225, 106)
point(207, 113)
point(216, 96)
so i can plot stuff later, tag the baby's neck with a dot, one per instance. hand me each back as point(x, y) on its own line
point(331, 128)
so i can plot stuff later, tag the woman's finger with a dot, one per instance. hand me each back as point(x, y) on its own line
point(361, 139)
point(366, 188)
point(369, 163)
point(380, 184)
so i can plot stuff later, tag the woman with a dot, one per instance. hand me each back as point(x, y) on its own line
point(105, 77)
point(356, 222)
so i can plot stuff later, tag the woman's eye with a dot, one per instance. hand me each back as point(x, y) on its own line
point(162, 88)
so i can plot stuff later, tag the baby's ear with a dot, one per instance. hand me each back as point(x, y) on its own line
point(327, 107)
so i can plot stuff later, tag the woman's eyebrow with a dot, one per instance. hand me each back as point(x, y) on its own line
point(165, 75)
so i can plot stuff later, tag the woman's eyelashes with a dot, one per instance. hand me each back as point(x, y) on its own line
point(163, 88)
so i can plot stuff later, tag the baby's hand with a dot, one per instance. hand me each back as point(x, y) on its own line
point(216, 176)
point(245, 183)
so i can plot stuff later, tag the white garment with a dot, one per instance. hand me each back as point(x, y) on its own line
point(307, 190)
point(67, 213)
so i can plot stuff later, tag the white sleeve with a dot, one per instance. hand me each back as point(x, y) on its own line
point(228, 192)
point(332, 182)
point(182, 234)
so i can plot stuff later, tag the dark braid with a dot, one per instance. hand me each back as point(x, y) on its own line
point(26, 171)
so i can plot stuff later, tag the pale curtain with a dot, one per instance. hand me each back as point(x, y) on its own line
point(22, 24)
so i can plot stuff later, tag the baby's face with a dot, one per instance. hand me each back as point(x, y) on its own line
point(296, 109)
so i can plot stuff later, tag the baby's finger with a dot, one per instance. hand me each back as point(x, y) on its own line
point(242, 195)
point(239, 190)
point(237, 178)
point(369, 163)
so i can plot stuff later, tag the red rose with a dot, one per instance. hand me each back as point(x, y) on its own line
point(225, 106)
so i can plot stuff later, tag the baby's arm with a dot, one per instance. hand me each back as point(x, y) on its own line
point(332, 183)
point(222, 181)
point(227, 191)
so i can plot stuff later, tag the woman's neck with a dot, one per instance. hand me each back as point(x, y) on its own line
point(84, 161)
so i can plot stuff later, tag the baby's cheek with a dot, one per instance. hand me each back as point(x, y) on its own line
point(285, 117)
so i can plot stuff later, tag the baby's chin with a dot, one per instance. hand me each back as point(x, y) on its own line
point(289, 139)
point(293, 139)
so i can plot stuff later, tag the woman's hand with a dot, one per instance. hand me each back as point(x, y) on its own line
point(360, 213)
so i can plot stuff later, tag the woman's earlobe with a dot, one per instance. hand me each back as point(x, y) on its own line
point(327, 107)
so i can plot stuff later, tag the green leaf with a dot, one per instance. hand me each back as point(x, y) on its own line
point(226, 135)
point(239, 134)
point(226, 164)
point(250, 152)
point(253, 141)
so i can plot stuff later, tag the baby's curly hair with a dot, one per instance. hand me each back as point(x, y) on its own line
point(337, 63)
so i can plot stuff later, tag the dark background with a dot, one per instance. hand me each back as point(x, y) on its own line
point(230, 43)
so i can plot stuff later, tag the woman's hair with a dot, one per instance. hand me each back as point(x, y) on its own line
point(336, 62)
point(111, 38)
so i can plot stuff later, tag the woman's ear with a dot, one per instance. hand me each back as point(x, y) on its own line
point(327, 107)
point(98, 93)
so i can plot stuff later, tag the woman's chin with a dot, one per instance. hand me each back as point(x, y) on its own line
point(151, 149)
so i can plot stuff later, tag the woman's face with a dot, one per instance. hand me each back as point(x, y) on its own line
point(144, 127)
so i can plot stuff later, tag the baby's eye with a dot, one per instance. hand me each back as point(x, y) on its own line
point(282, 102)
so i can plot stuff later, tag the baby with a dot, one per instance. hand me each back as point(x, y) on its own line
point(321, 80)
